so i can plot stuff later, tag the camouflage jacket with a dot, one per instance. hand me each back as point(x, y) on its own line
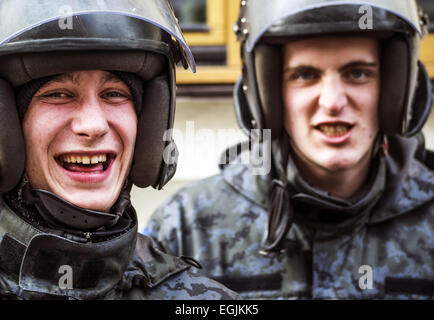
point(34, 265)
point(379, 246)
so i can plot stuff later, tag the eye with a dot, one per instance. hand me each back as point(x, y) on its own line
point(115, 95)
point(358, 75)
point(304, 76)
point(55, 97)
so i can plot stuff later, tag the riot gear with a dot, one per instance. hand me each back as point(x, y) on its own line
point(406, 90)
point(124, 38)
point(338, 198)
point(129, 36)
point(405, 94)
point(42, 235)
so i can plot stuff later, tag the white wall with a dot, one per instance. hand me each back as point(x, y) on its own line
point(198, 154)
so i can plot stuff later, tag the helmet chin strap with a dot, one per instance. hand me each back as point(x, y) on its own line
point(381, 145)
point(280, 213)
point(59, 213)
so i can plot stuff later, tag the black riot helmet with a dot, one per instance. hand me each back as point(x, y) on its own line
point(41, 38)
point(405, 100)
point(405, 94)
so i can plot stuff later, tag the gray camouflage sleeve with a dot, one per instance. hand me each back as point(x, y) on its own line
point(163, 227)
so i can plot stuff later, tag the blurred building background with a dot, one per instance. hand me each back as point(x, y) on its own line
point(205, 122)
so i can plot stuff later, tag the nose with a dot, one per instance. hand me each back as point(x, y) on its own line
point(333, 97)
point(90, 120)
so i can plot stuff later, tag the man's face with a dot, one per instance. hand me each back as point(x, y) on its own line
point(80, 131)
point(331, 90)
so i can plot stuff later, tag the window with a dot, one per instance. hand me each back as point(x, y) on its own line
point(191, 15)
point(207, 27)
point(428, 6)
point(427, 45)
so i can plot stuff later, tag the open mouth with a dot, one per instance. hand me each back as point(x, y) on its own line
point(334, 130)
point(86, 163)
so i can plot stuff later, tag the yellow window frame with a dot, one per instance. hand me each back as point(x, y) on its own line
point(221, 15)
point(215, 20)
point(427, 53)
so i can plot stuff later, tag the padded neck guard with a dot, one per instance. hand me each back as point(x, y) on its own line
point(62, 214)
point(35, 259)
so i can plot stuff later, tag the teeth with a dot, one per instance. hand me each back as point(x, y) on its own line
point(334, 130)
point(84, 159)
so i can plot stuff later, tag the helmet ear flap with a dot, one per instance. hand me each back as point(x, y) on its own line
point(258, 93)
point(394, 72)
point(422, 103)
point(154, 120)
point(406, 94)
point(242, 111)
point(170, 162)
point(268, 66)
point(12, 151)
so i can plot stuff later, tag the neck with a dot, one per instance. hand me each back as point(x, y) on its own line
point(338, 183)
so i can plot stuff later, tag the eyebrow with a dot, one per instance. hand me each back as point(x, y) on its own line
point(358, 64)
point(111, 77)
point(72, 77)
point(65, 77)
point(349, 65)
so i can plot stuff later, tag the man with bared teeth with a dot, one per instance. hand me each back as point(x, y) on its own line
point(347, 209)
point(83, 112)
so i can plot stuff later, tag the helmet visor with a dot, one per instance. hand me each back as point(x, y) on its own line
point(261, 17)
point(19, 16)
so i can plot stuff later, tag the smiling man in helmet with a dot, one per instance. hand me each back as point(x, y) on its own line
point(347, 210)
point(83, 115)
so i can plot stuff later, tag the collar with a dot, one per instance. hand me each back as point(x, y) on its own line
point(410, 183)
point(320, 210)
point(401, 184)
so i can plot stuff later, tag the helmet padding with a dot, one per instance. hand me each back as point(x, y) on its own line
point(11, 140)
